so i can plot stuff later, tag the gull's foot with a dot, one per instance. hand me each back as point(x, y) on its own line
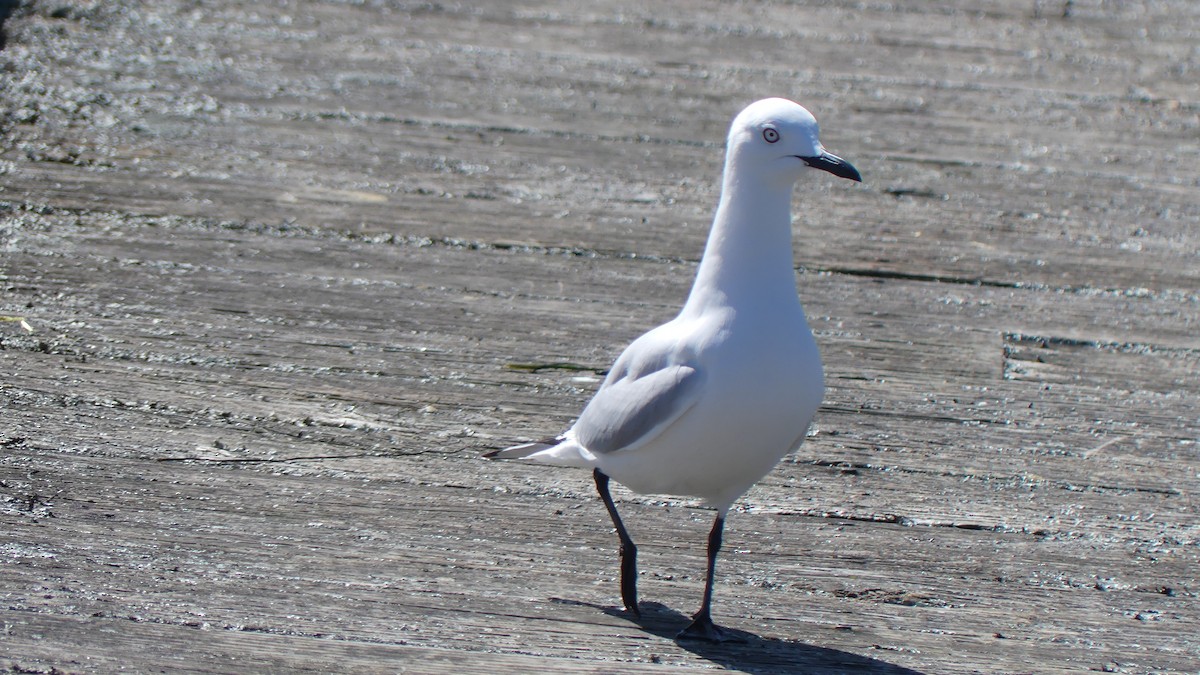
point(703, 628)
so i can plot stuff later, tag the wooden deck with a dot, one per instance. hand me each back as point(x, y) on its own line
point(288, 269)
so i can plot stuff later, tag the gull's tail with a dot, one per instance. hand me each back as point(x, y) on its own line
point(561, 451)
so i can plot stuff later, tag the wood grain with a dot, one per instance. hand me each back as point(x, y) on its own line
point(291, 268)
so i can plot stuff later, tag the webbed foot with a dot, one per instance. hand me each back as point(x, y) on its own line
point(703, 628)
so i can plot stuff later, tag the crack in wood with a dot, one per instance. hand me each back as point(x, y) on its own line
point(995, 477)
point(267, 460)
point(1055, 341)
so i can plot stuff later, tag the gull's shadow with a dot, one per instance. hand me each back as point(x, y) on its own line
point(750, 653)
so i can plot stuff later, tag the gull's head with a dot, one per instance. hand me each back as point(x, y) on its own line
point(780, 138)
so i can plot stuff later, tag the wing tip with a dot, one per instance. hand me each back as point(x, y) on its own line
point(524, 449)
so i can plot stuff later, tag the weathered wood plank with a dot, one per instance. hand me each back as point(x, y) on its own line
point(412, 143)
point(195, 647)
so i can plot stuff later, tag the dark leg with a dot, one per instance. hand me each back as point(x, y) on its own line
point(702, 626)
point(628, 550)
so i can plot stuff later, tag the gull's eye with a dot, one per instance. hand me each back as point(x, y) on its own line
point(770, 135)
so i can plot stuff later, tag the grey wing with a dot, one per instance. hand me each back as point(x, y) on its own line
point(627, 411)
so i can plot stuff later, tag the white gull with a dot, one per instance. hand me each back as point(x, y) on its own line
point(707, 404)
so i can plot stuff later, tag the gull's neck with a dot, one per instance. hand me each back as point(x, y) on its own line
point(748, 259)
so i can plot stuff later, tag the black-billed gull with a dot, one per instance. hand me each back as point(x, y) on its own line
point(709, 402)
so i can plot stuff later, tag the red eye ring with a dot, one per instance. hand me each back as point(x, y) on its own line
point(770, 135)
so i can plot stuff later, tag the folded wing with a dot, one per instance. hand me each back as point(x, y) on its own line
point(628, 411)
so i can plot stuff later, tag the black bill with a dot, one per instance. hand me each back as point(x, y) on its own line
point(834, 165)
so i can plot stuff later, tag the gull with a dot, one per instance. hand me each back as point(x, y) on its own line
point(707, 404)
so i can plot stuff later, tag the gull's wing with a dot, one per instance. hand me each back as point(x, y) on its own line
point(633, 407)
